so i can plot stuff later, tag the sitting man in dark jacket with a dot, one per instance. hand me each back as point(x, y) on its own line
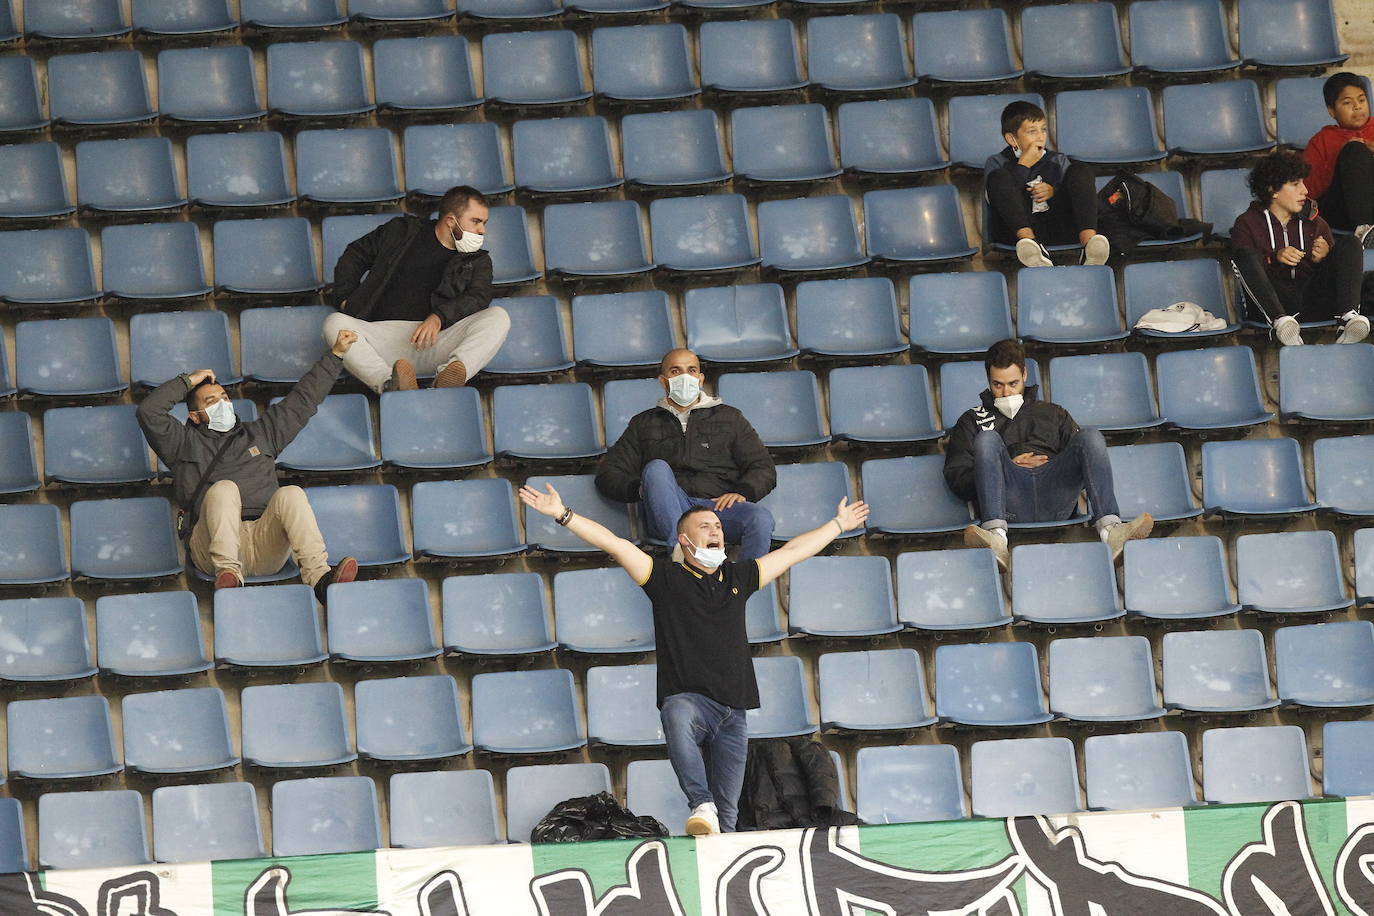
point(1026, 460)
point(224, 476)
point(692, 451)
point(418, 294)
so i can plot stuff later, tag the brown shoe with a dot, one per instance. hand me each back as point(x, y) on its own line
point(346, 571)
point(454, 375)
point(227, 578)
point(402, 376)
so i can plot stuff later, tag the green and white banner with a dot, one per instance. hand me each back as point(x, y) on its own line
point(1288, 859)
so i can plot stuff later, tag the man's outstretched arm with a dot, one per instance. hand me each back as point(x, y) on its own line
point(634, 561)
point(847, 517)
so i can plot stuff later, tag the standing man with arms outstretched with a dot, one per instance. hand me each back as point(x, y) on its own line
point(705, 670)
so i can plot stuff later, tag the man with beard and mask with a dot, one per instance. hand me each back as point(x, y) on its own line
point(705, 670)
point(1026, 460)
point(418, 295)
point(693, 451)
point(237, 519)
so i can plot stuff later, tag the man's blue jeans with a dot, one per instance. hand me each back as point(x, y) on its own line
point(746, 524)
point(1008, 492)
point(707, 744)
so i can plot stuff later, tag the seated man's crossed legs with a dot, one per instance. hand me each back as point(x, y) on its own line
point(385, 356)
point(745, 523)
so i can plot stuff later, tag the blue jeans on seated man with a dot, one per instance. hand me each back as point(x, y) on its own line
point(1008, 492)
point(746, 524)
point(707, 745)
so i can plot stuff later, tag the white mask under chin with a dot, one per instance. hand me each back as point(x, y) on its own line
point(1009, 405)
point(684, 389)
point(468, 242)
point(221, 416)
point(710, 557)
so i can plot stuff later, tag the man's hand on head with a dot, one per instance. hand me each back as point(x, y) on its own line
point(427, 333)
point(726, 500)
point(1029, 460)
point(345, 340)
point(200, 375)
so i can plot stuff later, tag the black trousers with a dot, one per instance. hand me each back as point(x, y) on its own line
point(1073, 208)
point(1349, 202)
point(1331, 290)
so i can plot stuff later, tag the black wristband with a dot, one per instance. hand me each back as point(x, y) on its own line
point(565, 517)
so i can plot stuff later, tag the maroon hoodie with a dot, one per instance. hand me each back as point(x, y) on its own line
point(1259, 229)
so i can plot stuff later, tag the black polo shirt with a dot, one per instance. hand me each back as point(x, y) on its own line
point(701, 639)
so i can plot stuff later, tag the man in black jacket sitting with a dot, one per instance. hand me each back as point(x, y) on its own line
point(1026, 460)
point(418, 294)
point(224, 476)
point(693, 451)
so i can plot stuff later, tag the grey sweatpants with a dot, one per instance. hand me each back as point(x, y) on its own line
point(473, 341)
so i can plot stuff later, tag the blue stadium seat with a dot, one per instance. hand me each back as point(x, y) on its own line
point(643, 63)
point(783, 143)
point(281, 344)
point(1290, 572)
point(595, 239)
point(1305, 389)
point(424, 74)
point(237, 170)
point(325, 815)
point(806, 497)
point(46, 641)
point(508, 243)
point(409, 718)
point(536, 344)
point(623, 330)
point(439, 156)
point(294, 86)
point(1297, 33)
point(1072, 41)
point(134, 175)
point(338, 231)
point(14, 848)
point(651, 788)
point(763, 616)
point(842, 596)
point(1180, 38)
point(614, 8)
point(1108, 391)
point(526, 712)
point(563, 155)
point(752, 56)
point(380, 620)
point(124, 538)
point(960, 313)
point(1211, 388)
point(1134, 771)
point(1214, 119)
point(18, 466)
point(531, 791)
point(182, 19)
point(1023, 776)
point(989, 684)
point(498, 614)
point(443, 808)
point(1107, 126)
point(337, 438)
point(1254, 477)
point(61, 738)
point(809, 234)
point(1340, 468)
point(1160, 284)
point(38, 188)
point(346, 167)
point(1255, 764)
point(784, 407)
point(208, 86)
point(877, 690)
point(973, 125)
point(75, 20)
point(909, 496)
point(546, 422)
point(673, 148)
point(890, 137)
point(463, 519)
point(155, 262)
point(909, 783)
point(164, 345)
point(541, 533)
point(621, 399)
point(100, 829)
point(1225, 196)
point(153, 634)
point(622, 709)
point(1153, 477)
point(1171, 184)
point(361, 521)
point(1216, 671)
point(601, 611)
point(22, 108)
point(1325, 664)
point(47, 267)
point(785, 711)
point(950, 590)
point(101, 89)
point(1103, 679)
point(696, 234)
point(9, 32)
point(265, 257)
point(1300, 110)
point(32, 549)
point(962, 382)
point(554, 78)
point(267, 626)
point(1068, 305)
point(923, 225)
point(881, 64)
point(849, 318)
point(1364, 566)
point(291, 14)
point(499, 12)
point(1064, 583)
point(201, 823)
point(295, 726)
point(882, 405)
point(404, 13)
point(177, 731)
point(1347, 755)
point(738, 324)
point(964, 46)
point(433, 428)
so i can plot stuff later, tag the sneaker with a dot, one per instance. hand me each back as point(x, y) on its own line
point(1287, 331)
point(1354, 328)
point(451, 376)
point(1097, 251)
point(402, 376)
point(1032, 254)
point(1137, 528)
point(703, 821)
point(346, 571)
point(1364, 234)
point(227, 578)
point(996, 541)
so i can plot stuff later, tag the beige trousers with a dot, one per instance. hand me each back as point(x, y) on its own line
point(473, 340)
point(223, 540)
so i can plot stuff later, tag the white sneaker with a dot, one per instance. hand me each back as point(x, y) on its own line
point(1032, 254)
point(1117, 535)
point(704, 821)
point(1288, 332)
point(1364, 234)
point(1354, 328)
point(994, 540)
point(1097, 251)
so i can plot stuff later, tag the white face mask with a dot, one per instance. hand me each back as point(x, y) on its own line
point(468, 242)
point(710, 557)
point(684, 389)
point(1009, 405)
point(221, 416)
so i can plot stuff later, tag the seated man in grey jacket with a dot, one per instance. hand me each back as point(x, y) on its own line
point(224, 476)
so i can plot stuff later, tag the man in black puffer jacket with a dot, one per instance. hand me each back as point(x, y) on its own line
point(1026, 460)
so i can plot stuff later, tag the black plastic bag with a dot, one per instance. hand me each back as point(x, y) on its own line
point(593, 817)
